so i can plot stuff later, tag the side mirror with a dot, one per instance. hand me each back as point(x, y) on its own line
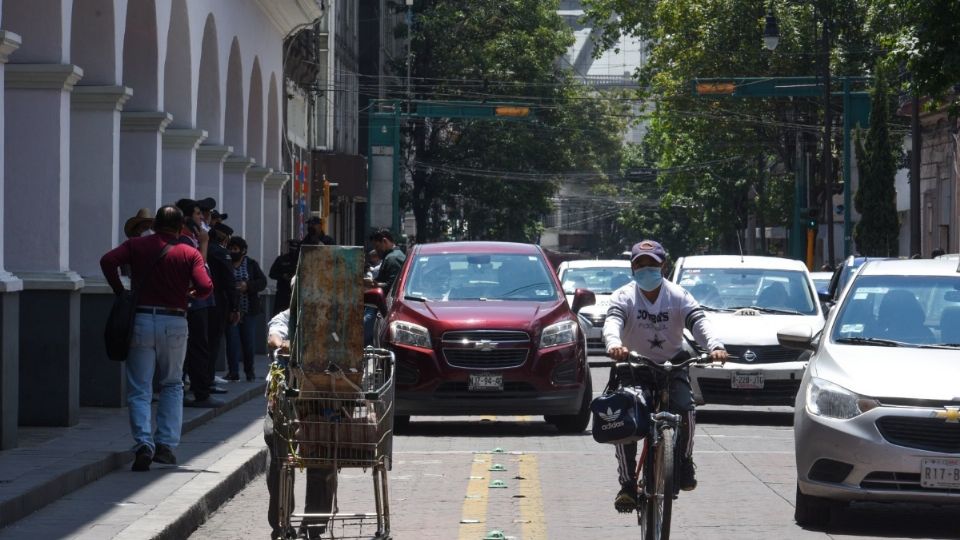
point(796, 337)
point(581, 299)
point(824, 296)
point(376, 298)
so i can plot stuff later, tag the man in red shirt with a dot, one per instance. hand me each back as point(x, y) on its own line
point(165, 273)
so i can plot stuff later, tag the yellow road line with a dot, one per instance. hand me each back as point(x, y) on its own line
point(475, 505)
point(531, 503)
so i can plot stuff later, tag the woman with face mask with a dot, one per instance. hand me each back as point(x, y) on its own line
point(250, 280)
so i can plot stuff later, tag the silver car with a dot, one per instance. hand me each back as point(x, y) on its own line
point(878, 412)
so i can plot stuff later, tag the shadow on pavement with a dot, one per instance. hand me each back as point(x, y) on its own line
point(482, 428)
point(734, 417)
point(896, 521)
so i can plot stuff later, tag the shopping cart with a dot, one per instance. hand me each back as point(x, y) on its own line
point(348, 426)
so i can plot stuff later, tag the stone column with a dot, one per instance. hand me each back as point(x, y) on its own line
point(36, 239)
point(235, 192)
point(256, 176)
point(210, 160)
point(273, 242)
point(140, 163)
point(95, 215)
point(180, 163)
point(10, 287)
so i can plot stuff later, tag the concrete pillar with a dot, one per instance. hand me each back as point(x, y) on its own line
point(95, 210)
point(180, 163)
point(210, 160)
point(235, 192)
point(37, 177)
point(10, 287)
point(140, 163)
point(256, 176)
point(273, 242)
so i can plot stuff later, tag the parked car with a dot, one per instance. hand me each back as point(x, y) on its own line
point(484, 328)
point(877, 417)
point(841, 276)
point(748, 299)
point(601, 277)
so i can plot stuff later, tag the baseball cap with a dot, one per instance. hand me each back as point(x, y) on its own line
point(313, 221)
point(207, 204)
point(223, 229)
point(651, 248)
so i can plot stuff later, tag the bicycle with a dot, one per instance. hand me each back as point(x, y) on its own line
point(656, 471)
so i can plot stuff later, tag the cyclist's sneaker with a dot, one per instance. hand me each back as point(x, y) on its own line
point(626, 501)
point(688, 475)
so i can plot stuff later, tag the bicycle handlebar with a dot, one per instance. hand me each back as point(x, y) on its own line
point(668, 366)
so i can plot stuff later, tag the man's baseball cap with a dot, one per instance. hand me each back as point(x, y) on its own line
point(207, 204)
point(650, 248)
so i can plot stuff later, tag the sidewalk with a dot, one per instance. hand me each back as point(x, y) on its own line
point(76, 481)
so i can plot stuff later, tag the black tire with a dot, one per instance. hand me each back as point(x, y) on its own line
point(575, 423)
point(401, 423)
point(812, 512)
point(663, 474)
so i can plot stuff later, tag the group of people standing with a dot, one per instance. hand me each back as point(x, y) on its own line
point(194, 286)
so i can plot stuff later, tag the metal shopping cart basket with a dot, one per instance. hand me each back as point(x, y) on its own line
point(346, 424)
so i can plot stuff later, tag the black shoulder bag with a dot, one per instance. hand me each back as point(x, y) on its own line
point(119, 329)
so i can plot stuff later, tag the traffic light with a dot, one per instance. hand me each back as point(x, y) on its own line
point(812, 217)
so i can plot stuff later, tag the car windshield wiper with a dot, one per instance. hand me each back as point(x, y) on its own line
point(769, 310)
point(873, 341)
point(711, 308)
point(415, 298)
point(518, 289)
point(941, 346)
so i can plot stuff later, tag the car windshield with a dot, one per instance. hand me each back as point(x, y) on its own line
point(775, 291)
point(448, 277)
point(600, 280)
point(904, 310)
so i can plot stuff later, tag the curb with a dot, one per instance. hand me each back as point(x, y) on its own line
point(43, 494)
point(198, 513)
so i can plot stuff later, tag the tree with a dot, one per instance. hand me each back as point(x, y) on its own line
point(710, 152)
point(877, 232)
point(489, 179)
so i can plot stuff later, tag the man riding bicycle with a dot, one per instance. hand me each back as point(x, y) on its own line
point(648, 316)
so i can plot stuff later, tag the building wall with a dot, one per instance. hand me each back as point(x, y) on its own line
point(938, 183)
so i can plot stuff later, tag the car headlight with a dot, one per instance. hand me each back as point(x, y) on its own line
point(558, 334)
point(404, 333)
point(834, 401)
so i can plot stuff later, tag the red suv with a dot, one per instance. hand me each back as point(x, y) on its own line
point(484, 328)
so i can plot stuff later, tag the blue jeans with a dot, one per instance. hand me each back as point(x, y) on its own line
point(240, 344)
point(369, 324)
point(159, 344)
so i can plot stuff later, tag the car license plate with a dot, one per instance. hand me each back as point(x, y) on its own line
point(486, 382)
point(747, 381)
point(940, 473)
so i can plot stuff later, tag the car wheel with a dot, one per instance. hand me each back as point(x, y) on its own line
point(575, 423)
point(813, 512)
point(401, 423)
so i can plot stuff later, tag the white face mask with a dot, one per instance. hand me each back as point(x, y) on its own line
point(204, 226)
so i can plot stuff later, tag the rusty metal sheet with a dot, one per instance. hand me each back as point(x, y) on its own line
point(329, 308)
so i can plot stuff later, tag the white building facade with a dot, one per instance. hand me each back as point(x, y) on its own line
point(109, 106)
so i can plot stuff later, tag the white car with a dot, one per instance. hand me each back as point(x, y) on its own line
point(602, 277)
point(748, 300)
point(877, 417)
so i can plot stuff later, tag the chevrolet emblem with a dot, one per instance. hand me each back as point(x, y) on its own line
point(484, 345)
point(949, 414)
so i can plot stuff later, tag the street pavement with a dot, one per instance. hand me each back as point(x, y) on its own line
point(562, 486)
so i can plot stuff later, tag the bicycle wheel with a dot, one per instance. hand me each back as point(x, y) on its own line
point(660, 502)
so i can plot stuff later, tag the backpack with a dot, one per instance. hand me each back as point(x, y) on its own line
point(620, 416)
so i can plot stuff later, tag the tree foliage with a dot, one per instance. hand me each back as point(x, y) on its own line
point(877, 232)
point(489, 179)
point(711, 152)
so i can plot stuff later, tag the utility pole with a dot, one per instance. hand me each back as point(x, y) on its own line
point(915, 160)
point(827, 141)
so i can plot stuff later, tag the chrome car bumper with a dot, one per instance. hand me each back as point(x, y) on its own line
point(852, 460)
point(713, 384)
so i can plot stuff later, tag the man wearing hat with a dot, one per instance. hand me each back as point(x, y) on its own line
point(206, 208)
point(314, 236)
point(226, 309)
point(139, 224)
point(648, 315)
point(283, 269)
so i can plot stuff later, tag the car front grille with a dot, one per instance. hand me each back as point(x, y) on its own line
point(933, 434)
point(894, 481)
point(595, 343)
point(596, 320)
point(486, 349)
point(775, 392)
point(492, 359)
point(762, 354)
